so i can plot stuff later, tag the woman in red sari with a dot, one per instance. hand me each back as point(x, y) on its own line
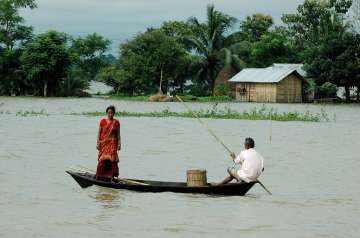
point(108, 145)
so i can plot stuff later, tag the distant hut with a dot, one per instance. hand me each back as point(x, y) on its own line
point(272, 84)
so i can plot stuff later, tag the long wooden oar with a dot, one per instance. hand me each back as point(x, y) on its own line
point(215, 136)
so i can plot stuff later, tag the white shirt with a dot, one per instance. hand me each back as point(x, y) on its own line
point(252, 164)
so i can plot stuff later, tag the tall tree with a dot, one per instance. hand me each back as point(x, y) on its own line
point(179, 30)
point(273, 47)
point(336, 60)
point(310, 23)
point(149, 60)
point(330, 49)
point(113, 76)
point(46, 61)
point(11, 82)
point(208, 43)
point(253, 27)
point(13, 33)
point(12, 29)
point(90, 52)
point(355, 14)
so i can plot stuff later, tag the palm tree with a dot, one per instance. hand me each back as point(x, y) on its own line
point(209, 42)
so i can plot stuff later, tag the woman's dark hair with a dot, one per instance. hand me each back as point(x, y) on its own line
point(249, 142)
point(112, 108)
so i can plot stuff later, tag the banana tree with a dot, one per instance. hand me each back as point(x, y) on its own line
point(209, 45)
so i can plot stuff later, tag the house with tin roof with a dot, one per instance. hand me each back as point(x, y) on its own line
point(279, 83)
point(298, 67)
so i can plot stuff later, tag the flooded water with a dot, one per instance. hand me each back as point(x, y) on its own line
point(311, 168)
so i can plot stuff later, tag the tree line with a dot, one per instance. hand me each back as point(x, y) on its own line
point(184, 56)
point(48, 64)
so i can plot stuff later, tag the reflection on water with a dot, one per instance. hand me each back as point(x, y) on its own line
point(108, 198)
point(310, 168)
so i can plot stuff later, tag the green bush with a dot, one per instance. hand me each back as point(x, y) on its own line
point(309, 86)
point(223, 90)
point(199, 90)
point(327, 90)
point(74, 84)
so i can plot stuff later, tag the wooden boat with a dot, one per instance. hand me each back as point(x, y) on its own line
point(86, 179)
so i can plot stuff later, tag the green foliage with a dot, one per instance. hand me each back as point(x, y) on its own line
point(11, 82)
point(255, 26)
point(199, 89)
point(327, 90)
point(112, 76)
point(12, 30)
point(208, 43)
point(90, 54)
point(223, 90)
point(329, 49)
point(314, 20)
point(273, 47)
point(22, 3)
point(13, 34)
point(243, 50)
point(217, 99)
point(26, 113)
point(254, 114)
point(148, 56)
point(126, 97)
point(46, 61)
point(336, 61)
point(179, 30)
point(55, 64)
point(185, 98)
point(74, 84)
point(309, 86)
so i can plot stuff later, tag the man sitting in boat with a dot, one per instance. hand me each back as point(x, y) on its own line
point(251, 162)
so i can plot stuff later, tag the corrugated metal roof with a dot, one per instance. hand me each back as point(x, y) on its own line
point(262, 75)
point(298, 67)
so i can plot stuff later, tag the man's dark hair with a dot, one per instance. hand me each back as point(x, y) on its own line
point(112, 108)
point(249, 142)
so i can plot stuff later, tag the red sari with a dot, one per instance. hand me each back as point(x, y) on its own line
point(108, 146)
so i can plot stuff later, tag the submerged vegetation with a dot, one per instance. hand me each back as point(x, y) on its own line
point(185, 98)
point(254, 114)
point(25, 113)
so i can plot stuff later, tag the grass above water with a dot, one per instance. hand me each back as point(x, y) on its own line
point(185, 98)
point(25, 113)
point(253, 114)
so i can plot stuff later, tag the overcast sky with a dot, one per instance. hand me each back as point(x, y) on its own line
point(119, 20)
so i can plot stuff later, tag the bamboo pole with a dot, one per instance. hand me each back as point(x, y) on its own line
point(204, 124)
point(215, 136)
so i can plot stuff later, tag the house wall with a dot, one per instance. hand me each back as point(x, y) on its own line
point(256, 92)
point(289, 90)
